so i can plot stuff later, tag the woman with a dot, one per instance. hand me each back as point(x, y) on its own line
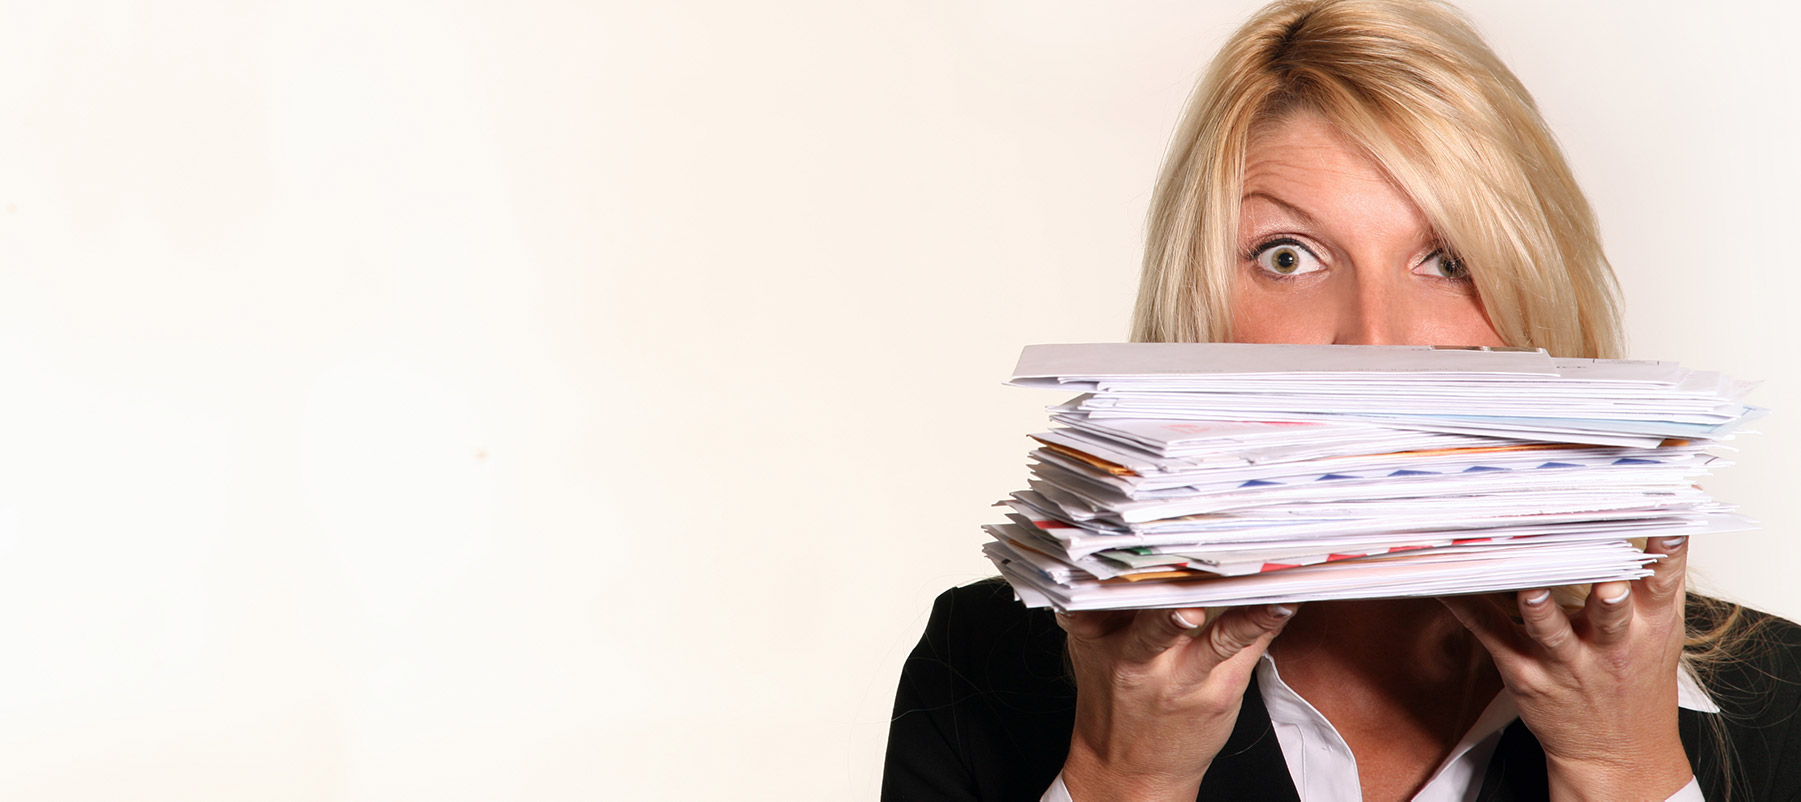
point(1361, 172)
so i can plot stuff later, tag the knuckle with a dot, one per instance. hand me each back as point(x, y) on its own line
point(1129, 679)
point(1541, 617)
point(1143, 647)
point(1613, 624)
point(1553, 639)
point(1666, 584)
point(1616, 663)
point(1232, 635)
point(1149, 638)
point(1216, 705)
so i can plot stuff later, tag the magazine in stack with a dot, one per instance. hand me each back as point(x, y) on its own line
point(1204, 475)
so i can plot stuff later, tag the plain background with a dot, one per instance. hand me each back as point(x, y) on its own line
point(545, 400)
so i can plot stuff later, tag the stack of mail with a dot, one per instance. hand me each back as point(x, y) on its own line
point(1231, 474)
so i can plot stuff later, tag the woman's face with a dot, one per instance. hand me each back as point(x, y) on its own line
point(1331, 252)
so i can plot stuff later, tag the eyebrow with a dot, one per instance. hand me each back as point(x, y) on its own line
point(1306, 219)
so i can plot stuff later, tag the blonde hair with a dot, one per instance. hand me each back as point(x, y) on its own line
point(1414, 85)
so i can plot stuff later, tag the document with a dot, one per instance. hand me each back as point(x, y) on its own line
point(1229, 474)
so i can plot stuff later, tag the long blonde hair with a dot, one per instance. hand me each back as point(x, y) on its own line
point(1414, 85)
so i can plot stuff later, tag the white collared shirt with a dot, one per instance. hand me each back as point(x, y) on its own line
point(1324, 770)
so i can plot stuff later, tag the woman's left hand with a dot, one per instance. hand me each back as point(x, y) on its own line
point(1598, 688)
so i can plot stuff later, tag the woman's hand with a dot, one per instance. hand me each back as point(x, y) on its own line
point(1597, 688)
point(1157, 694)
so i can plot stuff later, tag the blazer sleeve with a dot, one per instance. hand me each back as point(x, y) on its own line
point(985, 705)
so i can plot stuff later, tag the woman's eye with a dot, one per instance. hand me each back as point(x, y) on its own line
point(1444, 265)
point(1287, 259)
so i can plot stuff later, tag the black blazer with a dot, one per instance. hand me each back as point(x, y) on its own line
point(986, 706)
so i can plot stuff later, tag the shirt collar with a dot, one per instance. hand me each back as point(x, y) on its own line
point(1689, 693)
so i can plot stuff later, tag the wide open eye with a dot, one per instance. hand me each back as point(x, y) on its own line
point(1443, 265)
point(1285, 257)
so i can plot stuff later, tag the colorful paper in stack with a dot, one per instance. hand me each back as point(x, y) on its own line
point(1232, 474)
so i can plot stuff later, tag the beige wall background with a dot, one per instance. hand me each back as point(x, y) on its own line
point(541, 400)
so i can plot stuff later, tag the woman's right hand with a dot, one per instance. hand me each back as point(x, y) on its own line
point(1157, 694)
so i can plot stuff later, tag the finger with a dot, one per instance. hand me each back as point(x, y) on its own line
point(1484, 619)
point(1546, 624)
point(1092, 624)
point(1153, 632)
point(1666, 584)
point(1609, 612)
point(1240, 629)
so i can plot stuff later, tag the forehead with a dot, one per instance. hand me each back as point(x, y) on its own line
point(1304, 162)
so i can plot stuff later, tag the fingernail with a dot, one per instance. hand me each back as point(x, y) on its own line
point(1182, 621)
point(1064, 614)
point(1619, 598)
point(1671, 544)
point(1538, 598)
point(1279, 611)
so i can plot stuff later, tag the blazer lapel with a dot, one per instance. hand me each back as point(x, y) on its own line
point(1516, 772)
point(1250, 765)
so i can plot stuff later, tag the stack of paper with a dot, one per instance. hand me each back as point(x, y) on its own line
point(1230, 474)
